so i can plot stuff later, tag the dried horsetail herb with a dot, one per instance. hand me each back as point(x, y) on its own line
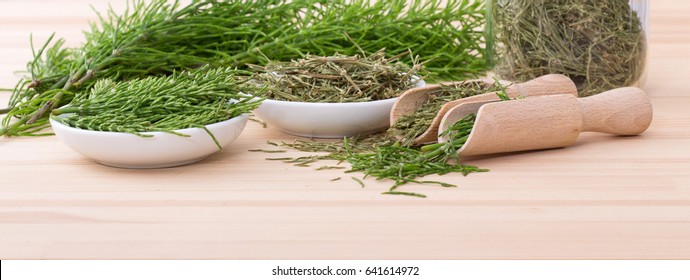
point(337, 78)
point(406, 164)
point(381, 157)
point(189, 99)
point(407, 128)
point(157, 38)
point(600, 45)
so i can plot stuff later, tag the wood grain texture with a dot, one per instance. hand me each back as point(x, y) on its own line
point(536, 123)
point(412, 99)
point(604, 197)
point(624, 111)
point(549, 121)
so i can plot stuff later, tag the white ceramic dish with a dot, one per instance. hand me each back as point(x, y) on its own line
point(327, 120)
point(126, 150)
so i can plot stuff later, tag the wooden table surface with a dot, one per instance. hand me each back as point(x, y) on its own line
point(606, 197)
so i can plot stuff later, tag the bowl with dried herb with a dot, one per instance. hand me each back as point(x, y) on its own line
point(156, 122)
point(333, 96)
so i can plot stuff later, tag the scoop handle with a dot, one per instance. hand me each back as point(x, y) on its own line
point(621, 111)
point(545, 85)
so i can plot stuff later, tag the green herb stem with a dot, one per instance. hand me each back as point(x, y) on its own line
point(154, 38)
point(188, 99)
point(405, 193)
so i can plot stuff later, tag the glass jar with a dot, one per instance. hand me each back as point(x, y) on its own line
point(600, 45)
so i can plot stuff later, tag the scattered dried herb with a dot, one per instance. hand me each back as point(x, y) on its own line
point(381, 157)
point(337, 78)
point(405, 164)
point(330, 167)
point(384, 157)
point(600, 45)
point(405, 193)
point(358, 181)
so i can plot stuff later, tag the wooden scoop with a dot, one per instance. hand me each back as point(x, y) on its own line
point(549, 121)
point(412, 99)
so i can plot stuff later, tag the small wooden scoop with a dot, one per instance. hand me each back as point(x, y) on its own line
point(549, 121)
point(410, 100)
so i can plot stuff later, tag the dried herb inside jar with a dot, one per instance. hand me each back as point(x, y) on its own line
point(600, 45)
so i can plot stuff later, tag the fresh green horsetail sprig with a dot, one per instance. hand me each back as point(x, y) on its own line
point(407, 128)
point(156, 38)
point(45, 87)
point(600, 45)
point(112, 50)
point(189, 99)
point(337, 78)
point(448, 34)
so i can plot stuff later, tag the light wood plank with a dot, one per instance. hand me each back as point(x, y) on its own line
point(605, 197)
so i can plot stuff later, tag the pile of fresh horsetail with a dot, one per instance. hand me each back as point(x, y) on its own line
point(600, 45)
point(337, 78)
point(384, 157)
point(153, 38)
point(407, 128)
point(188, 99)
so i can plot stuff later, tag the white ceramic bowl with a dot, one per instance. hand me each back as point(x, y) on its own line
point(327, 120)
point(126, 150)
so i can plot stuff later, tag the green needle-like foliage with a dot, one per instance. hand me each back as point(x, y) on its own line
point(160, 104)
point(156, 38)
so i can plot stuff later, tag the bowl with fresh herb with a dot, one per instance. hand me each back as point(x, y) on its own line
point(333, 96)
point(157, 122)
point(157, 37)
